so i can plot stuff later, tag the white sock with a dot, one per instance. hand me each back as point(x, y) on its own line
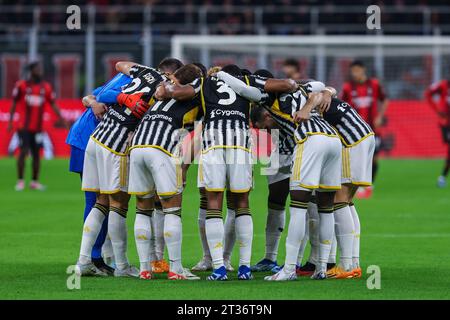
point(202, 231)
point(107, 250)
point(303, 244)
point(152, 252)
point(332, 257)
point(142, 236)
point(344, 235)
point(91, 229)
point(229, 234)
point(214, 234)
point(276, 219)
point(158, 227)
point(313, 228)
point(117, 229)
point(173, 237)
point(326, 234)
point(244, 235)
point(296, 232)
point(357, 235)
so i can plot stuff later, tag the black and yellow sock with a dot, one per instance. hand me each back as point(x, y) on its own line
point(176, 211)
point(203, 201)
point(299, 204)
point(213, 214)
point(103, 209)
point(145, 212)
point(340, 205)
point(119, 211)
point(325, 209)
point(243, 212)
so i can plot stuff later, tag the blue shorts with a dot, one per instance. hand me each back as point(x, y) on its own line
point(76, 160)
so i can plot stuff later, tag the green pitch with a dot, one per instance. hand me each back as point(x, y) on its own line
point(405, 231)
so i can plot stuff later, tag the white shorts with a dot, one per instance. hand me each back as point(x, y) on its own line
point(151, 169)
point(317, 164)
point(279, 169)
point(104, 171)
point(357, 162)
point(222, 168)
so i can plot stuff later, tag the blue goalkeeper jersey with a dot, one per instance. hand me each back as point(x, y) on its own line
point(82, 129)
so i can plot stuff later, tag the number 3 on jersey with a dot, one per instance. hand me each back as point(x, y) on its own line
point(226, 89)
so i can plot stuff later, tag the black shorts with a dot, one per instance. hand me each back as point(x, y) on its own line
point(446, 134)
point(30, 140)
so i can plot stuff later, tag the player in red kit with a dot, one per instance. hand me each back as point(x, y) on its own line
point(365, 94)
point(30, 98)
point(442, 108)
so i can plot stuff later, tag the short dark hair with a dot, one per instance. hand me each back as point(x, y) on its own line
point(30, 66)
point(232, 69)
point(263, 73)
point(357, 63)
point(188, 73)
point(292, 63)
point(170, 65)
point(256, 114)
point(245, 72)
point(202, 68)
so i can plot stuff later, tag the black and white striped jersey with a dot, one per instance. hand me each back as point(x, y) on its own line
point(226, 121)
point(350, 126)
point(165, 125)
point(315, 125)
point(286, 126)
point(118, 124)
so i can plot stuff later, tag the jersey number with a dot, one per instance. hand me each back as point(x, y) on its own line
point(231, 95)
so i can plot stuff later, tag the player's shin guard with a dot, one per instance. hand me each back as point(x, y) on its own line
point(142, 235)
point(344, 234)
point(158, 229)
point(296, 232)
point(244, 235)
point(91, 229)
point(333, 251)
point(230, 230)
point(313, 228)
point(326, 234)
point(173, 237)
point(214, 230)
point(357, 234)
point(276, 218)
point(303, 244)
point(117, 229)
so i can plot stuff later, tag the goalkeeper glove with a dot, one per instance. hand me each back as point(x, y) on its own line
point(134, 103)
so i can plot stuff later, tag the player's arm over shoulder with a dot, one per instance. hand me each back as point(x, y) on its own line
point(167, 90)
point(125, 67)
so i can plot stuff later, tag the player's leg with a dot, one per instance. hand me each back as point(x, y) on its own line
point(344, 230)
point(213, 174)
point(167, 175)
point(330, 153)
point(229, 231)
point(442, 179)
point(143, 233)
point(91, 229)
point(24, 147)
point(97, 215)
point(240, 178)
point(296, 232)
point(159, 265)
point(117, 229)
point(214, 229)
point(275, 223)
point(325, 209)
point(35, 147)
point(206, 262)
point(97, 259)
point(244, 234)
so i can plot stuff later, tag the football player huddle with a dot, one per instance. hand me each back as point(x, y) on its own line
point(155, 121)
